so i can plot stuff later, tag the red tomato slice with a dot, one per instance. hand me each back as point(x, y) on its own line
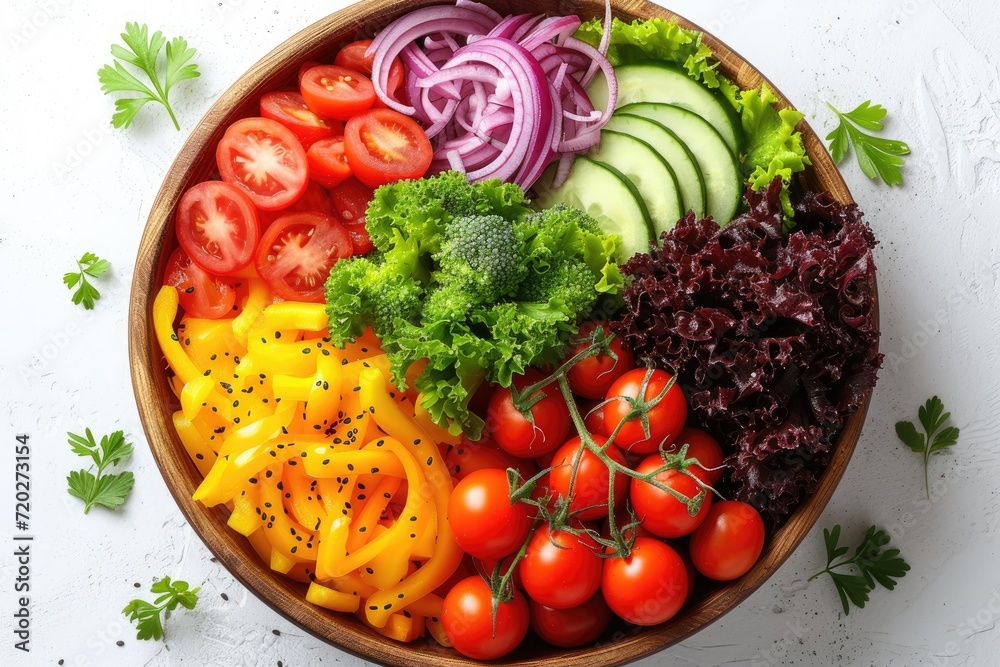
point(200, 294)
point(305, 67)
point(263, 158)
point(296, 253)
point(217, 227)
point(315, 198)
point(289, 109)
point(353, 57)
point(327, 162)
point(350, 204)
point(337, 92)
point(384, 146)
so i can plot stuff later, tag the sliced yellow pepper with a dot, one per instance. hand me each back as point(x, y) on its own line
point(243, 518)
point(194, 442)
point(164, 314)
point(211, 345)
point(258, 299)
point(331, 599)
point(288, 537)
point(296, 315)
point(303, 499)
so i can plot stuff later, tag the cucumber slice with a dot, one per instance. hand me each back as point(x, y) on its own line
point(649, 173)
point(671, 149)
point(719, 167)
point(607, 196)
point(666, 83)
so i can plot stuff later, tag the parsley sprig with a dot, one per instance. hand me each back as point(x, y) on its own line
point(88, 265)
point(109, 490)
point(877, 156)
point(934, 439)
point(869, 559)
point(144, 51)
point(149, 616)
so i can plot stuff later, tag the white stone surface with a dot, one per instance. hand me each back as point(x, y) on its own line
point(70, 184)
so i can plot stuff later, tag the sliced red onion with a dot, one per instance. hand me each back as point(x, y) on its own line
point(481, 8)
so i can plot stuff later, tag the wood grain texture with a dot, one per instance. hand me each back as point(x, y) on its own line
point(156, 402)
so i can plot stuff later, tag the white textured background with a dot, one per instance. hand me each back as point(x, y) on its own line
point(69, 183)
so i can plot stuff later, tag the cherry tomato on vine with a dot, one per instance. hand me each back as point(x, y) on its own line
point(560, 569)
point(200, 293)
point(515, 434)
point(727, 544)
point(265, 160)
point(336, 92)
point(569, 628)
point(485, 523)
point(468, 621)
point(467, 457)
point(649, 586)
point(217, 227)
point(703, 447)
point(590, 490)
point(296, 253)
point(384, 146)
point(666, 418)
point(661, 513)
point(593, 376)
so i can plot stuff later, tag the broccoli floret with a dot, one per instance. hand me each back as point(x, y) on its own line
point(569, 286)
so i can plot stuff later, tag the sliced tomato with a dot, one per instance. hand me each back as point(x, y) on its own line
point(327, 162)
point(200, 294)
point(289, 109)
point(315, 198)
point(305, 67)
point(263, 158)
point(353, 56)
point(384, 146)
point(297, 251)
point(337, 92)
point(217, 227)
point(350, 204)
point(360, 240)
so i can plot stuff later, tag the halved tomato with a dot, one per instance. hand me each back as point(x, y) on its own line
point(264, 159)
point(315, 198)
point(217, 227)
point(327, 162)
point(305, 67)
point(384, 146)
point(350, 202)
point(336, 92)
point(353, 57)
point(297, 251)
point(288, 108)
point(200, 294)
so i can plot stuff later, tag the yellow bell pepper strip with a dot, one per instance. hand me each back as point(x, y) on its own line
point(430, 605)
point(326, 491)
point(436, 630)
point(243, 519)
point(279, 562)
point(324, 399)
point(353, 369)
point(257, 432)
point(194, 443)
point(332, 463)
point(330, 599)
point(164, 314)
point(424, 421)
point(211, 345)
point(332, 544)
point(291, 358)
point(291, 388)
point(365, 346)
point(256, 301)
point(288, 537)
point(194, 395)
point(426, 530)
point(258, 540)
point(302, 498)
point(402, 627)
point(387, 567)
point(447, 554)
point(304, 572)
point(296, 315)
point(366, 519)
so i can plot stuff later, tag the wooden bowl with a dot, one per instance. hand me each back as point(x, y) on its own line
point(156, 402)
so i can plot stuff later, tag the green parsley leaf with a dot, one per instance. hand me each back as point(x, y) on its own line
point(934, 439)
point(872, 564)
point(108, 490)
point(878, 157)
point(149, 617)
point(143, 52)
point(88, 265)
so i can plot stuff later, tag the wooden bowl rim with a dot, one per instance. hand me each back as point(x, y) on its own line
point(277, 591)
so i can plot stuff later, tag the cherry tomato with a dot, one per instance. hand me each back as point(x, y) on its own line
point(200, 293)
point(485, 569)
point(265, 160)
point(467, 616)
point(590, 490)
point(336, 92)
point(594, 419)
point(661, 513)
point(468, 457)
point(569, 628)
point(353, 57)
point(217, 227)
point(649, 586)
point(360, 239)
point(485, 523)
point(515, 434)
point(592, 377)
point(296, 253)
point(327, 162)
point(315, 199)
point(703, 447)
point(560, 570)
point(727, 544)
point(666, 419)
point(384, 146)
point(350, 203)
point(305, 67)
point(289, 109)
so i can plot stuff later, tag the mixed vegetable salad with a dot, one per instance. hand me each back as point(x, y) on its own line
point(497, 322)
